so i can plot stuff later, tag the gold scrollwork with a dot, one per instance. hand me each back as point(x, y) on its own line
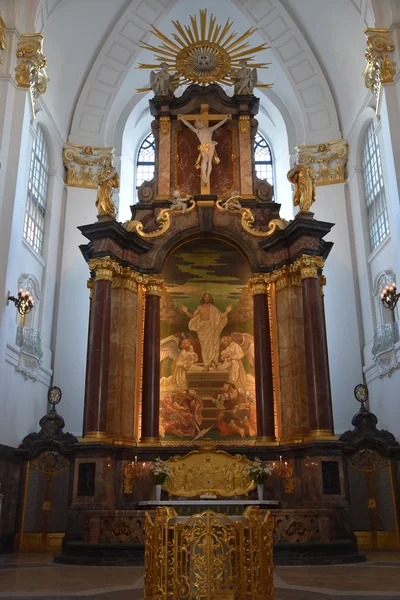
point(380, 68)
point(163, 219)
point(327, 161)
point(232, 205)
point(105, 268)
point(165, 125)
point(83, 162)
point(31, 70)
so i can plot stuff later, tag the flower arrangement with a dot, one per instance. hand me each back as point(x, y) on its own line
point(257, 471)
point(161, 470)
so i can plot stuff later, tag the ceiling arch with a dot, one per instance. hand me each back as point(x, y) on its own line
point(298, 80)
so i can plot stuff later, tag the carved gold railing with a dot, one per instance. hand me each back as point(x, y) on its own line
point(208, 556)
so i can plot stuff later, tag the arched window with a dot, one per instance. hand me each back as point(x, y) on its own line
point(263, 159)
point(37, 193)
point(378, 221)
point(146, 160)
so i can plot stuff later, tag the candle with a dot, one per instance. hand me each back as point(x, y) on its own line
point(135, 459)
point(280, 458)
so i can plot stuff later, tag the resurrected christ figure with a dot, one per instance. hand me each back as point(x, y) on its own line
point(208, 321)
point(207, 153)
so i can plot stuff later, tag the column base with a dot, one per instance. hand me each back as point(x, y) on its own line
point(266, 440)
point(96, 436)
point(124, 441)
point(149, 441)
point(321, 434)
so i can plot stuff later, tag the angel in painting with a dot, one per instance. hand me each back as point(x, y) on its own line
point(180, 350)
point(234, 348)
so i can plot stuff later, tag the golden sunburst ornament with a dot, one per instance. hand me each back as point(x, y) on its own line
point(204, 53)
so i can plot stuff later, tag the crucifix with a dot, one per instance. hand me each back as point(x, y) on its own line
point(203, 130)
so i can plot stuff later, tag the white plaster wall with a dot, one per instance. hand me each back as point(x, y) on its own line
point(73, 309)
point(340, 309)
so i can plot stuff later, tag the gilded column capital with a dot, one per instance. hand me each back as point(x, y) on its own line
point(380, 68)
point(2, 36)
point(307, 266)
point(258, 284)
point(327, 161)
point(153, 284)
point(244, 123)
point(105, 268)
point(30, 71)
point(82, 164)
point(165, 125)
point(283, 278)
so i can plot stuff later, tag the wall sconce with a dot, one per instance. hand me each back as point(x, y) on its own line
point(23, 303)
point(132, 470)
point(285, 472)
point(389, 296)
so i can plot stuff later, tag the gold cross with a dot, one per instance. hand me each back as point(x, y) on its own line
point(205, 117)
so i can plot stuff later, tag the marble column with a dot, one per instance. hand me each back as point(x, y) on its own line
point(95, 418)
point(245, 157)
point(120, 414)
point(151, 361)
point(317, 368)
point(263, 360)
point(164, 158)
point(90, 285)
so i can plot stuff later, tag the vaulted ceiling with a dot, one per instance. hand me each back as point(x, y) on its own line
point(93, 47)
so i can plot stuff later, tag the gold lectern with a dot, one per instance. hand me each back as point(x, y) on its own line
point(208, 556)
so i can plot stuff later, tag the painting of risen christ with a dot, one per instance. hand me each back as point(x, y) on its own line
point(207, 385)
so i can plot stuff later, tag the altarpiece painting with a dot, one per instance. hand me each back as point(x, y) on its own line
point(207, 385)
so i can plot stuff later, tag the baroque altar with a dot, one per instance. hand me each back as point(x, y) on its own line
point(207, 323)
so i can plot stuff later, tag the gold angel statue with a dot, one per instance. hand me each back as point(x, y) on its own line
point(107, 181)
point(303, 179)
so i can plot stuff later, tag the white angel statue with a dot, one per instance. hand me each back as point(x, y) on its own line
point(179, 203)
point(162, 83)
point(245, 79)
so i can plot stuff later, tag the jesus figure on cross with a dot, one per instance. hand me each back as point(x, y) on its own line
point(207, 154)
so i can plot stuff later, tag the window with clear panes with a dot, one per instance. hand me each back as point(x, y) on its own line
point(378, 221)
point(35, 209)
point(146, 161)
point(263, 159)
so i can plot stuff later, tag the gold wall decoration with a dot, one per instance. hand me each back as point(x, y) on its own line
point(165, 125)
point(244, 123)
point(2, 36)
point(163, 220)
point(327, 161)
point(380, 68)
point(82, 164)
point(204, 52)
point(208, 471)
point(208, 556)
point(233, 206)
point(31, 69)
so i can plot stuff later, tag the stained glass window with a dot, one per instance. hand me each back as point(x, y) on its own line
point(37, 193)
point(263, 159)
point(146, 161)
point(378, 221)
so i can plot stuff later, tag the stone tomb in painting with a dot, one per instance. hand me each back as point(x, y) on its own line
point(208, 323)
